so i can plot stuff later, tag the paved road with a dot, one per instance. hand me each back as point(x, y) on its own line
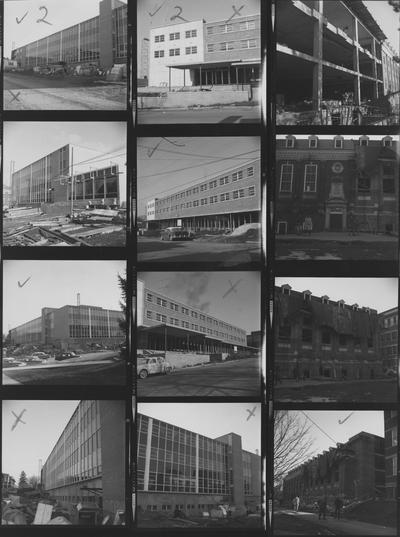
point(22, 92)
point(239, 378)
point(303, 523)
point(223, 254)
point(222, 114)
point(101, 368)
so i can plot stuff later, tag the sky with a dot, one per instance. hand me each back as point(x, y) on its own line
point(206, 290)
point(345, 136)
point(182, 161)
point(375, 293)
point(60, 15)
point(55, 284)
point(363, 420)
point(387, 19)
point(212, 419)
point(191, 10)
point(102, 142)
point(27, 443)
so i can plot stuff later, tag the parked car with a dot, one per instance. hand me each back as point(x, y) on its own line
point(66, 355)
point(41, 354)
point(152, 366)
point(176, 234)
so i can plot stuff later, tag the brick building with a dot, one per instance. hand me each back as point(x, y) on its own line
point(225, 200)
point(331, 48)
point(199, 53)
point(353, 470)
point(319, 337)
point(391, 453)
point(389, 348)
point(341, 184)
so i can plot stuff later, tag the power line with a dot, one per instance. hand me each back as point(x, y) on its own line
point(192, 154)
point(318, 427)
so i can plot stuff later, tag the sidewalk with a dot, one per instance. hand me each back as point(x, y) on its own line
point(337, 236)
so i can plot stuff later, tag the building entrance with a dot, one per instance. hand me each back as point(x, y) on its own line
point(336, 222)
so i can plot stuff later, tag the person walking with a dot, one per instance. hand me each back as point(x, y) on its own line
point(338, 507)
point(322, 509)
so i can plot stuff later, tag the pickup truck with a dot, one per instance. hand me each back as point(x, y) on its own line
point(152, 366)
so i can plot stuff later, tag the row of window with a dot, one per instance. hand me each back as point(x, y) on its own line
point(337, 142)
point(175, 52)
point(174, 36)
point(231, 45)
point(227, 28)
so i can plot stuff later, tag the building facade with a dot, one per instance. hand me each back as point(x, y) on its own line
point(101, 40)
point(55, 179)
point(226, 200)
point(318, 337)
point(391, 453)
point(341, 184)
point(71, 327)
point(200, 53)
point(87, 463)
point(332, 49)
point(389, 348)
point(180, 469)
point(354, 470)
point(166, 324)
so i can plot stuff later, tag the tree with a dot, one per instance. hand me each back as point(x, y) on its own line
point(23, 482)
point(33, 481)
point(395, 5)
point(292, 442)
point(123, 285)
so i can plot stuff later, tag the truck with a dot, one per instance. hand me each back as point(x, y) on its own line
point(152, 366)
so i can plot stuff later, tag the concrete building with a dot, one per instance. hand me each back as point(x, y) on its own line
point(391, 453)
point(353, 470)
point(6, 196)
point(197, 53)
point(87, 463)
point(8, 484)
point(186, 335)
point(225, 200)
point(177, 468)
point(70, 327)
point(101, 40)
point(255, 339)
point(388, 328)
point(341, 184)
point(68, 172)
point(318, 337)
point(334, 48)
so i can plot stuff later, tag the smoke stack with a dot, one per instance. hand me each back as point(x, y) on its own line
point(78, 299)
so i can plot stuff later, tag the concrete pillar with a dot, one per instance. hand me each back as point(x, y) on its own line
point(317, 54)
point(356, 65)
point(148, 452)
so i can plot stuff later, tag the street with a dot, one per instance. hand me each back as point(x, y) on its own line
point(220, 114)
point(381, 390)
point(232, 254)
point(288, 522)
point(33, 92)
point(95, 368)
point(236, 378)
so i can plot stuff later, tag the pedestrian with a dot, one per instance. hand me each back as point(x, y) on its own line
point(322, 509)
point(307, 224)
point(338, 507)
point(297, 503)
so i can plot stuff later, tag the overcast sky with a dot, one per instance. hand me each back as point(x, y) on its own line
point(387, 19)
point(60, 14)
point(212, 419)
point(206, 290)
point(55, 284)
point(328, 420)
point(102, 142)
point(345, 136)
point(33, 440)
point(178, 162)
point(376, 293)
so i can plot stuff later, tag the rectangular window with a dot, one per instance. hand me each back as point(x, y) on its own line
point(174, 36)
point(237, 176)
point(286, 178)
point(224, 197)
point(247, 25)
point(191, 50)
point(225, 28)
point(241, 193)
point(213, 184)
point(190, 33)
point(149, 297)
point(226, 46)
point(174, 52)
point(250, 171)
point(210, 47)
point(312, 143)
point(224, 180)
point(203, 187)
point(252, 191)
point(204, 201)
point(310, 178)
point(210, 30)
point(159, 54)
point(159, 38)
point(149, 314)
point(248, 43)
point(235, 194)
point(338, 143)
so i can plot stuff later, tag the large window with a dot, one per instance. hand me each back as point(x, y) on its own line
point(310, 178)
point(286, 178)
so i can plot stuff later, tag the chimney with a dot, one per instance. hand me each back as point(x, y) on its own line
point(78, 299)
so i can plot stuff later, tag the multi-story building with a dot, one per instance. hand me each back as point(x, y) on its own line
point(87, 463)
point(319, 337)
point(71, 327)
point(180, 469)
point(354, 470)
point(341, 184)
point(333, 48)
point(101, 40)
point(164, 323)
point(391, 450)
point(6, 196)
point(225, 200)
point(8, 484)
point(69, 172)
point(389, 348)
point(200, 53)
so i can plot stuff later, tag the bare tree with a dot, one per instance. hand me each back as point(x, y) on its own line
point(292, 442)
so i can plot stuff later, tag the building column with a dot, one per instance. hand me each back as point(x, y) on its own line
point(148, 453)
point(356, 65)
point(197, 463)
point(317, 54)
point(375, 69)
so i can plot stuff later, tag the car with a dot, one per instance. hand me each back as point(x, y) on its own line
point(152, 366)
point(176, 234)
point(41, 354)
point(65, 356)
